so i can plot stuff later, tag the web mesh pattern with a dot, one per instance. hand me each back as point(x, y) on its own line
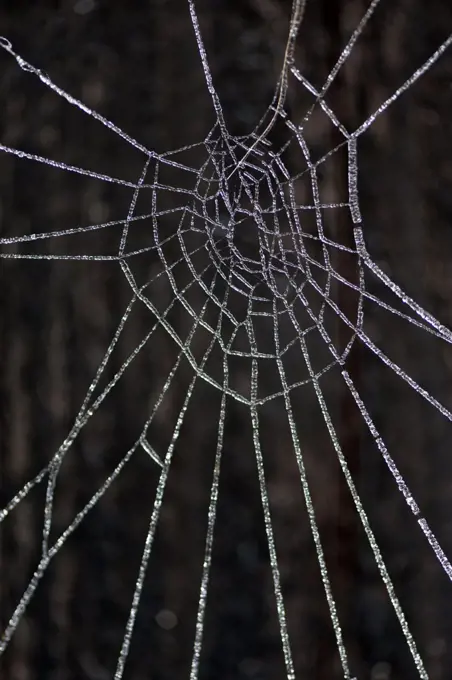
point(252, 236)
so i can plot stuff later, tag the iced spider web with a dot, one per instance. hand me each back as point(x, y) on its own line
point(243, 180)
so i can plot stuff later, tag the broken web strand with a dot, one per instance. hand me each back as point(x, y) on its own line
point(45, 560)
point(20, 609)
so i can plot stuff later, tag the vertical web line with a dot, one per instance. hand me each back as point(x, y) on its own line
point(363, 516)
point(276, 574)
point(309, 503)
point(206, 69)
point(212, 513)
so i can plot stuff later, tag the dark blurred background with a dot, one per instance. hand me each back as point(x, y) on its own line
point(137, 64)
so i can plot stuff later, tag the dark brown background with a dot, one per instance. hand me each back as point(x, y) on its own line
point(137, 64)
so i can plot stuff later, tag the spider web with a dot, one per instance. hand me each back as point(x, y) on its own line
point(244, 239)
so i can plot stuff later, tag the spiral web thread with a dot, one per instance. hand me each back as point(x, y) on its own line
point(231, 187)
